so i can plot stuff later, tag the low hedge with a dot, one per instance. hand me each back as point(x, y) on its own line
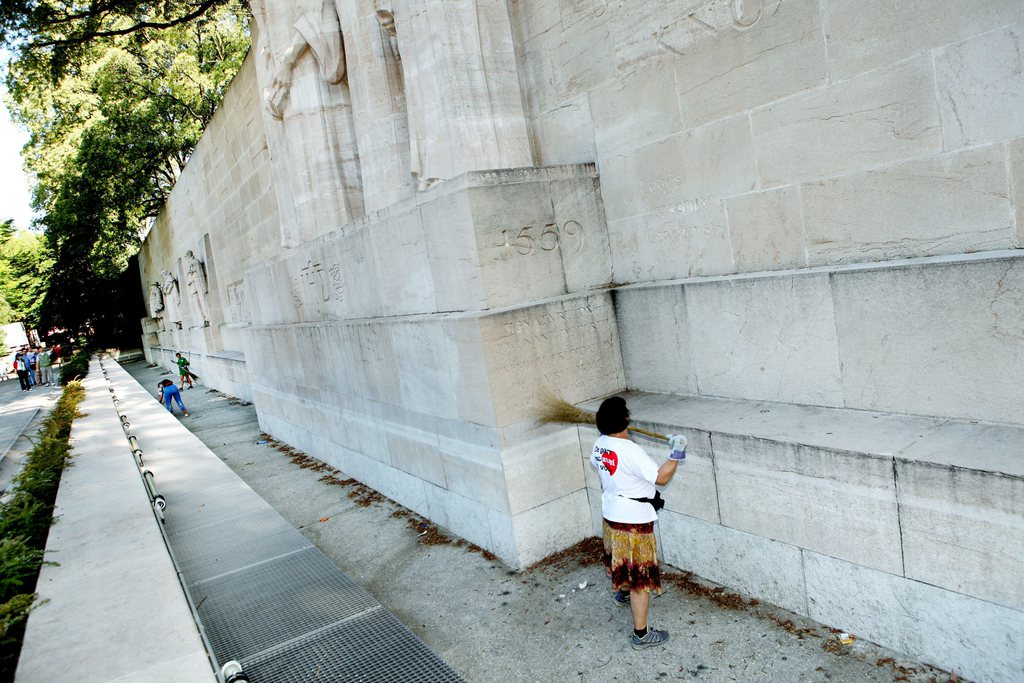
point(25, 520)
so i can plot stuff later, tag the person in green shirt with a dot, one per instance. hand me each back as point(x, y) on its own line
point(45, 363)
point(183, 372)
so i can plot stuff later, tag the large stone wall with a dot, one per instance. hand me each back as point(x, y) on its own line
point(792, 229)
point(736, 137)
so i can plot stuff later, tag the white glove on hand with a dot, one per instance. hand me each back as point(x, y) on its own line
point(678, 444)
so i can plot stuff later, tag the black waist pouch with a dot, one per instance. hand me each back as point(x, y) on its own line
point(657, 502)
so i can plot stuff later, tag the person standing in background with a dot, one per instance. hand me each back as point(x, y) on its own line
point(46, 376)
point(21, 367)
point(31, 357)
point(183, 373)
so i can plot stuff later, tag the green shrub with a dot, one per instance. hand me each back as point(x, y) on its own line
point(25, 521)
point(75, 367)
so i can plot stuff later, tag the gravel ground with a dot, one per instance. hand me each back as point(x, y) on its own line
point(491, 623)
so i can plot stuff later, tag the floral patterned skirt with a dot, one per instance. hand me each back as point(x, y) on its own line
point(631, 556)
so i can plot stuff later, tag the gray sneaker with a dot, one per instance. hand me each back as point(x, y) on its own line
point(652, 639)
point(621, 598)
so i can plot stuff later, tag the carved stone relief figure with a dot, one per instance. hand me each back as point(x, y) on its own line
point(156, 302)
point(463, 95)
point(311, 136)
point(386, 18)
point(377, 87)
point(197, 286)
point(172, 300)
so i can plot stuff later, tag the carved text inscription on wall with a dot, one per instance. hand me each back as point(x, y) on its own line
point(325, 282)
point(532, 239)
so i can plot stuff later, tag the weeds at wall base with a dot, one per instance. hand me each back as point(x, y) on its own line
point(25, 521)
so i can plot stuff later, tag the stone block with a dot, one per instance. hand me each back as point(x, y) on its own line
point(947, 204)
point(680, 175)
point(834, 502)
point(633, 25)
point(537, 537)
point(965, 635)
point(767, 230)
point(774, 339)
point(1015, 152)
point(866, 34)
point(537, 74)
point(358, 265)
point(406, 489)
point(874, 119)
point(688, 239)
point(565, 134)
point(453, 254)
point(542, 469)
point(582, 233)
point(654, 333)
point(503, 537)
point(377, 361)
point(596, 518)
point(531, 18)
point(476, 475)
point(469, 371)
point(583, 57)
point(934, 339)
point(404, 272)
point(755, 566)
point(693, 490)
point(423, 364)
point(637, 108)
point(981, 87)
point(963, 529)
point(418, 456)
point(568, 345)
point(520, 255)
point(780, 54)
point(460, 515)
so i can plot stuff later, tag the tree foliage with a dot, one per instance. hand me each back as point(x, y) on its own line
point(60, 35)
point(24, 274)
point(113, 116)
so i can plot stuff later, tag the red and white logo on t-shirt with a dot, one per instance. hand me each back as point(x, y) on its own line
point(609, 460)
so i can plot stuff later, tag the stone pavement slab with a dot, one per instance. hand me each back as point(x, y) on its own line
point(112, 608)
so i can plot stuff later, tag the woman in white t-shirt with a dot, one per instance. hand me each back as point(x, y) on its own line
point(628, 479)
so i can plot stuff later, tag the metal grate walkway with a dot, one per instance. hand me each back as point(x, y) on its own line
point(263, 594)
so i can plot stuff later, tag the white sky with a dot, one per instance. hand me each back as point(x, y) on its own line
point(14, 194)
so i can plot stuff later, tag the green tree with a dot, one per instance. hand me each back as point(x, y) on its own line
point(109, 137)
point(58, 36)
point(24, 275)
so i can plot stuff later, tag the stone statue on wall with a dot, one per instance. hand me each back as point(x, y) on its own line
point(386, 18)
point(310, 129)
point(156, 301)
point(197, 285)
point(172, 299)
point(463, 95)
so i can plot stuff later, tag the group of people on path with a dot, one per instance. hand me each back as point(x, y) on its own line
point(168, 394)
point(35, 366)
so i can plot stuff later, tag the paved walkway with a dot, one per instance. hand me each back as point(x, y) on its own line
point(265, 596)
point(20, 414)
point(494, 624)
point(111, 607)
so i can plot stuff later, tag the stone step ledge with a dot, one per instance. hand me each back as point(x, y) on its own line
point(794, 504)
point(937, 501)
